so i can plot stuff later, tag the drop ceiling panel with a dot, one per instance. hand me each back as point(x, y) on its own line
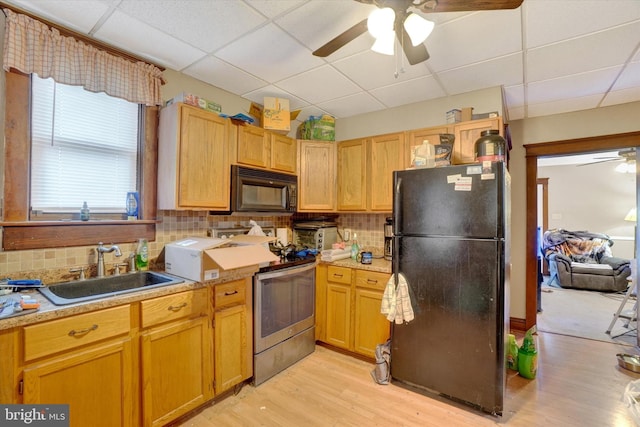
point(473, 38)
point(220, 74)
point(274, 54)
point(584, 84)
point(139, 37)
point(408, 92)
point(371, 70)
point(600, 50)
point(563, 106)
point(622, 96)
point(258, 96)
point(630, 77)
point(319, 85)
point(352, 105)
point(272, 9)
point(505, 70)
point(206, 25)
point(550, 21)
point(79, 16)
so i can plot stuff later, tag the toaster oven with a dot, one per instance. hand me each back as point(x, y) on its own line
point(315, 236)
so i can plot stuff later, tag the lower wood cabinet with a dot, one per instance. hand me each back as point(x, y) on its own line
point(350, 302)
point(176, 358)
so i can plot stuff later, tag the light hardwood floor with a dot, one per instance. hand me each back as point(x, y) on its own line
point(579, 384)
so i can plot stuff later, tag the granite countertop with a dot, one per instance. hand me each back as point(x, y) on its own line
point(378, 264)
point(50, 311)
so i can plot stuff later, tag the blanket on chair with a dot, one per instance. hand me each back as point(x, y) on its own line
point(579, 246)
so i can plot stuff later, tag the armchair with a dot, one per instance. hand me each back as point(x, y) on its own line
point(583, 260)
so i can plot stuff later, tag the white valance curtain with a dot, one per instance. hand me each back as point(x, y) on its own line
point(32, 47)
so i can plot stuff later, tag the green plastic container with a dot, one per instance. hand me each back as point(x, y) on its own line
point(528, 357)
point(512, 353)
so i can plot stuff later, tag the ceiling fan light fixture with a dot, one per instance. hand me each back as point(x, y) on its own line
point(418, 28)
point(381, 21)
point(385, 43)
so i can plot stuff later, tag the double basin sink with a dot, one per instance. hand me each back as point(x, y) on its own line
point(102, 287)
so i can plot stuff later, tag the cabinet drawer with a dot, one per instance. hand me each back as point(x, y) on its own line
point(229, 294)
point(339, 274)
point(63, 334)
point(371, 279)
point(172, 307)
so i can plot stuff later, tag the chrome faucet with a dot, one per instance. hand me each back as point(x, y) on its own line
point(101, 250)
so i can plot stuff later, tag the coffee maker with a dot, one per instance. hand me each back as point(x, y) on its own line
point(388, 239)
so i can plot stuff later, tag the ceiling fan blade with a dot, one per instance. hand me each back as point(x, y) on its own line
point(600, 161)
point(414, 54)
point(466, 5)
point(341, 40)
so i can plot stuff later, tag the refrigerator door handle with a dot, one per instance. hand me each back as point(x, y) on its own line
point(397, 203)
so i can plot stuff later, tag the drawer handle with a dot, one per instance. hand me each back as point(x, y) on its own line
point(73, 332)
point(337, 275)
point(372, 281)
point(226, 294)
point(177, 307)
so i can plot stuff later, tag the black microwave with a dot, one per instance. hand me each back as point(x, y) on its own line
point(255, 190)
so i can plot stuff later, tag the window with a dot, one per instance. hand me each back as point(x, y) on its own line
point(84, 148)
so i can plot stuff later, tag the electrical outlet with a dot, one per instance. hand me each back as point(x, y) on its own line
point(346, 234)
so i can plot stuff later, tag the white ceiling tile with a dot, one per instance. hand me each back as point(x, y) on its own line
point(218, 73)
point(318, 21)
point(630, 77)
point(516, 113)
point(577, 85)
point(622, 96)
point(190, 20)
point(563, 106)
point(416, 90)
point(352, 105)
point(274, 54)
point(592, 52)
point(547, 21)
point(388, 69)
point(139, 37)
point(506, 70)
point(514, 96)
point(272, 9)
point(474, 37)
point(319, 85)
point(79, 16)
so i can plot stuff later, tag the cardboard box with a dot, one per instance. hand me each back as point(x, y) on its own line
point(454, 116)
point(276, 114)
point(257, 112)
point(203, 258)
point(466, 114)
point(196, 101)
point(491, 115)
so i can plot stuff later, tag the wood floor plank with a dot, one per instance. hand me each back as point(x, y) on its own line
point(579, 384)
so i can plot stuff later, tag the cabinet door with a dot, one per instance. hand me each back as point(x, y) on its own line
point(97, 384)
point(416, 137)
point(176, 369)
point(203, 171)
point(284, 153)
point(253, 147)
point(317, 176)
point(352, 175)
point(231, 342)
point(467, 133)
point(370, 327)
point(387, 152)
point(338, 315)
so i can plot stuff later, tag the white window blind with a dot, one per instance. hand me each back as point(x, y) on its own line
point(84, 148)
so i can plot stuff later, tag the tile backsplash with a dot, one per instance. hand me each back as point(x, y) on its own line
point(173, 225)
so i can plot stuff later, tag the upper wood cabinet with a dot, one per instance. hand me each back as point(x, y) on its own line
point(466, 134)
point(415, 138)
point(365, 172)
point(260, 148)
point(193, 159)
point(316, 176)
point(352, 175)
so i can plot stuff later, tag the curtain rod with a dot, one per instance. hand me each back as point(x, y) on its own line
point(82, 37)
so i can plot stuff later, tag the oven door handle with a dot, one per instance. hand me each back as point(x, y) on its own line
point(286, 271)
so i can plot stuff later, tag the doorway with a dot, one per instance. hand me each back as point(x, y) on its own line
point(557, 148)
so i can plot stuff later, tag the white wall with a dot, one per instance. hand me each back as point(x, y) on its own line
point(594, 198)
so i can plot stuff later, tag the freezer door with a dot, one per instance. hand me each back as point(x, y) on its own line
point(434, 201)
point(455, 346)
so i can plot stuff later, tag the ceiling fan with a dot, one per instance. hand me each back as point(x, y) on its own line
point(403, 10)
point(628, 155)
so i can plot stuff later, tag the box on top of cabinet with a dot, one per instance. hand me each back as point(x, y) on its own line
point(203, 258)
point(274, 115)
point(195, 101)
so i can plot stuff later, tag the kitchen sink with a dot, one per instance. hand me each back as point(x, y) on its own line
point(102, 287)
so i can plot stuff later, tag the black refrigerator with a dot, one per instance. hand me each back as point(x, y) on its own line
point(451, 244)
